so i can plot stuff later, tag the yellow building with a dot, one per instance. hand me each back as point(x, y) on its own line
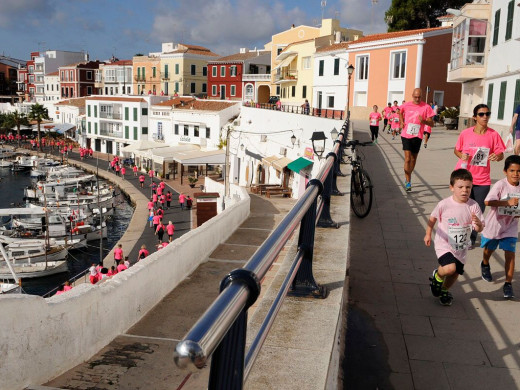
point(292, 57)
point(147, 75)
point(184, 69)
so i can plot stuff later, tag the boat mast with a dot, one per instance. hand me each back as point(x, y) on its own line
point(4, 254)
point(46, 225)
point(100, 214)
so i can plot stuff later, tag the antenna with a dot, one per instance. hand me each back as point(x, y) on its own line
point(323, 5)
point(374, 3)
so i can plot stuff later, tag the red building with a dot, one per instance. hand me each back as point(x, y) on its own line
point(227, 75)
point(9, 76)
point(77, 80)
point(30, 86)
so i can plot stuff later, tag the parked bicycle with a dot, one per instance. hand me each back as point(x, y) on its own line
point(360, 184)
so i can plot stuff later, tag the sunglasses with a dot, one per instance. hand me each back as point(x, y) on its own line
point(482, 114)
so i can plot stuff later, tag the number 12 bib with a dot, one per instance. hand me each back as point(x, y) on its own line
point(459, 237)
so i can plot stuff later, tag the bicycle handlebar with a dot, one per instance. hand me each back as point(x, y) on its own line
point(355, 143)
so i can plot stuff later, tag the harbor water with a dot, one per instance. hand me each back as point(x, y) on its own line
point(11, 194)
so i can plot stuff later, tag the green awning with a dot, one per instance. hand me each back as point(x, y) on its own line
point(298, 164)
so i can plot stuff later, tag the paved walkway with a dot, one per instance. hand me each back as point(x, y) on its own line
point(399, 336)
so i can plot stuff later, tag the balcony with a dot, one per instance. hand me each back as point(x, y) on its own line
point(158, 137)
point(286, 76)
point(466, 72)
point(112, 134)
point(111, 115)
point(256, 77)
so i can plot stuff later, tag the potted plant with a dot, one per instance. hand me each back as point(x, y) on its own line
point(450, 117)
point(193, 180)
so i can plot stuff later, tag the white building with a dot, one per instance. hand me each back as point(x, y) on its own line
point(52, 87)
point(115, 122)
point(115, 78)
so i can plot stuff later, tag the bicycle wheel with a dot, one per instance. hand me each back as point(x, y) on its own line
point(360, 193)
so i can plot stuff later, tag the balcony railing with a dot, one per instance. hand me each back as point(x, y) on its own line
point(111, 115)
point(158, 137)
point(295, 109)
point(286, 76)
point(256, 77)
point(113, 134)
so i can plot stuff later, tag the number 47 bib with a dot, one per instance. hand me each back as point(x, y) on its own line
point(459, 237)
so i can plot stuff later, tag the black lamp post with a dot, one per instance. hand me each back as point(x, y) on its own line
point(317, 146)
point(350, 70)
point(293, 140)
point(334, 134)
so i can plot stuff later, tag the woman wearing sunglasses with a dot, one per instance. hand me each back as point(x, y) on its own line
point(475, 148)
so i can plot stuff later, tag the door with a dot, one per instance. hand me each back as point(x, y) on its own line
point(320, 102)
point(222, 92)
point(109, 147)
point(438, 96)
point(97, 145)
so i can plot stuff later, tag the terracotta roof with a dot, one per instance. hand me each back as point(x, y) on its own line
point(206, 105)
point(193, 49)
point(333, 47)
point(53, 74)
point(118, 99)
point(120, 62)
point(175, 101)
point(397, 34)
point(241, 56)
point(79, 102)
point(446, 17)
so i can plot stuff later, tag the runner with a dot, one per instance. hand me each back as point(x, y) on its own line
point(427, 135)
point(414, 115)
point(394, 123)
point(387, 111)
point(374, 118)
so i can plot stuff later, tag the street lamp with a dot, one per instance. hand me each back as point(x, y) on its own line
point(350, 70)
point(334, 134)
point(318, 147)
point(293, 140)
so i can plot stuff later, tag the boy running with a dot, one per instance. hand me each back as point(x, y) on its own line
point(457, 215)
point(394, 123)
point(502, 222)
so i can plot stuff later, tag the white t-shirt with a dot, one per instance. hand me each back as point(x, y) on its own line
point(501, 221)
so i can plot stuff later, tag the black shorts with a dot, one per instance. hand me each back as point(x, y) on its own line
point(385, 121)
point(412, 144)
point(448, 258)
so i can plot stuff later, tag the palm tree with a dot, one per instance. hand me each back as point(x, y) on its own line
point(16, 119)
point(38, 113)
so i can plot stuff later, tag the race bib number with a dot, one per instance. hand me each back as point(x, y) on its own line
point(480, 158)
point(396, 120)
point(459, 237)
point(413, 129)
point(373, 122)
point(512, 211)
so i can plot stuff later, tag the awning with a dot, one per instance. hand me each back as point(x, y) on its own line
point(285, 62)
point(200, 157)
point(256, 156)
point(168, 153)
point(269, 160)
point(281, 163)
point(299, 164)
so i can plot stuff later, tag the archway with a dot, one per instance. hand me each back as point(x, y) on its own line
point(263, 94)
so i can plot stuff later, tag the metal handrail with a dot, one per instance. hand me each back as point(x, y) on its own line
point(240, 289)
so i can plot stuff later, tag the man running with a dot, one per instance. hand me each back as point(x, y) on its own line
point(413, 117)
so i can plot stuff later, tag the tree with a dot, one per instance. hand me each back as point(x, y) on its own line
point(16, 119)
point(38, 113)
point(417, 14)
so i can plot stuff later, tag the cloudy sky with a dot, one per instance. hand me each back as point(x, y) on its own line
point(126, 27)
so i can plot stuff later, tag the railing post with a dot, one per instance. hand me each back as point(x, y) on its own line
point(337, 171)
point(304, 284)
point(325, 218)
point(227, 362)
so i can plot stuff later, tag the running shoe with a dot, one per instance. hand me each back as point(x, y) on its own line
point(375, 141)
point(446, 298)
point(486, 272)
point(407, 186)
point(435, 285)
point(393, 138)
point(425, 146)
point(508, 291)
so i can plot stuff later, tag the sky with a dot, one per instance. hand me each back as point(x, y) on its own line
point(124, 28)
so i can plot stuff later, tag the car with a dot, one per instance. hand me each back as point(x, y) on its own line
point(273, 99)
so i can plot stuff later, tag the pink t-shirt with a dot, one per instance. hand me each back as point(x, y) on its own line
point(412, 128)
point(150, 205)
point(454, 226)
point(427, 129)
point(121, 267)
point(170, 229)
point(498, 223)
point(118, 253)
point(479, 147)
point(159, 190)
point(182, 198)
point(375, 117)
point(123, 171)
point(154, 197)
point(394, 121)
point(387, 111)
point(156, 219)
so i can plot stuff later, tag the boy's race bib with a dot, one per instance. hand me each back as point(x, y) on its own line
point(459, 237)
point(512, 211)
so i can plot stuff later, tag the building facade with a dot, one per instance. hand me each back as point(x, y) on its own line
point(114, 78)
point(77, 80)
point(51, 84)
point(147, 75)
point(9, 75)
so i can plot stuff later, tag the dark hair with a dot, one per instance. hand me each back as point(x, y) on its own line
point(478, 107)
point(460, 174)
point(513, 159)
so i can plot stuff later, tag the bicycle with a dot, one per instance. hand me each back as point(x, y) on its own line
point(360, 184)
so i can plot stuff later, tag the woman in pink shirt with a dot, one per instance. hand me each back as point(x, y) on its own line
point(475, 148)
point(135, 170)
point(143, 253)
point(394, 122)
point(118, 253)
point(374, 119)
point(156, 220)
point(123, 171)
point(182, 199)
point(170, 228)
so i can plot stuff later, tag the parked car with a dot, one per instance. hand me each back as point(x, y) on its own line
point(273, 99)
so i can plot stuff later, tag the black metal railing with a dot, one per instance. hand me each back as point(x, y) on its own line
point(221, 331)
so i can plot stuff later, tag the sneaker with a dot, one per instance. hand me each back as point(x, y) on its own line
point(407, 186)
point(425, 146)
point(446, 298)
point(508, 291)
point(393, 138)
point(486, 272)
point(375, 141)
point(435, 285)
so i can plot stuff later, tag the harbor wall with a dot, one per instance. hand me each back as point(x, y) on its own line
point(42, 338)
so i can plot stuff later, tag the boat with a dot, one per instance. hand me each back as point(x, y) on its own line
point(6, 285)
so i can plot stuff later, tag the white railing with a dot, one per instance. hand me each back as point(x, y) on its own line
point(256, 77)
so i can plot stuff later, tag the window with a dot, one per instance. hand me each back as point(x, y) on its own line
point(306, 62)
point(143, 70)
point(502, 100)
point(214, 89)
point(127, 132)
point(95, 111)
point(89, 90)
point(399, 65)
point(336, 66)
point(362, 68)
point(144, 130)
point(476, 42)
point(277, 90)
point(204, 88)
point(89, 127)
point(176, 129)
point(204, 71)
point(509, 22)
point(154, 71)
point(222, 71)
point(186, 130)
point(516, 100)
point(249, 91)
point(279, 50)
point(214, 71)
point(321, 65)
point(304, 92)
point(135, 114)
point(208, 132)
point(127, 115)
point(496, 27)
point(71, 75)
point(89, 75)
point(193, 70)
point(144, 111)
point(176, 87)
point(195, 131)
point(135, 133)
point(293, 90)
point(233, 90)
point(330, 101)
point(88, 110)
point(233, 71)
point(166, 71)
point(95, 128)
point(192, 87)
point(176, 68)
point(490, 96)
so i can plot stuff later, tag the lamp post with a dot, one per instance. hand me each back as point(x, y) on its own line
point(229, 129)
point(318, 147)
point(350, 70)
